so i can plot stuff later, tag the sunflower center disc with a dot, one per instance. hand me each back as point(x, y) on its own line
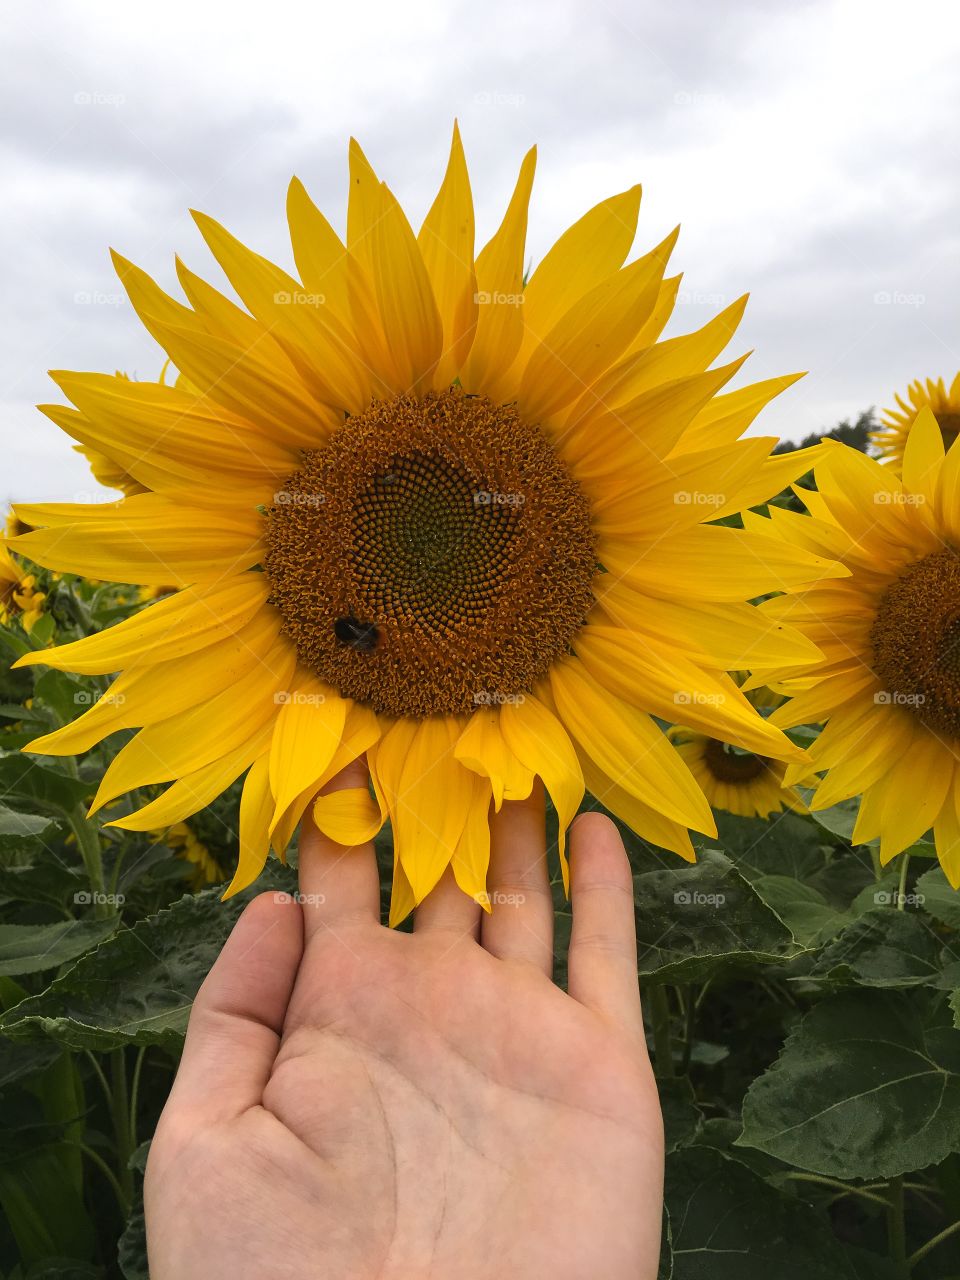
point(435, 556)
point(916, 641)
point(732, 766)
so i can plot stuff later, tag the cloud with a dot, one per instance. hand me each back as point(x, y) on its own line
point(800, 145)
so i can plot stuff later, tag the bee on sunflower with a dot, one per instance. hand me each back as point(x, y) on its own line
point(890, 438)
point(888, 683)
point(499, 486)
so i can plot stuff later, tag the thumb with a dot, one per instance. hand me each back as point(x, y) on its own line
point(238, 1015)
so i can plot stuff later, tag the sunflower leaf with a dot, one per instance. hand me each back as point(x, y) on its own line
point(889, 948)
point(138, 987)
point(862, 1089)
point(729, 1224)
point(31, 948)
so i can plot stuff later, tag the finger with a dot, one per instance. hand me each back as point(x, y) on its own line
point(602, 963)
point(448, 909)
point(337, 882)
point(237, 1016)
point(519, 924)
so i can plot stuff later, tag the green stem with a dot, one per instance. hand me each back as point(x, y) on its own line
point(843, 1187)
point(121, 1121)
point(87, 833)
point(689, 1024)
point(660, 1019)
point(134, 1097)
point(108, 1173)
point(902, 886)
point(98, 1071)
point(896, 1230)
point(932, 1244)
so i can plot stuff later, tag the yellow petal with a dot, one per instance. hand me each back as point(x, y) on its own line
point(923, 456)
point(190, 794)
point(146, 539)
point(446, 242)
point(408, 312)
point(256, 806)
point(727, 417)
point(192, 619)
point(471, 858)
point(499, 331)
point(914, 789)
point(483, 748)
point(541, 743)
point(307, 733)
point(592, 334)
point(350, 817)
point(628, 747)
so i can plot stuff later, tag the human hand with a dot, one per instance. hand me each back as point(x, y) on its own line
point(361, 1103)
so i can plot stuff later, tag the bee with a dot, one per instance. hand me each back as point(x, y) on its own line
point(362, 636)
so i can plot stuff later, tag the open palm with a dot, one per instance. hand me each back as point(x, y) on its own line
point(355, 1102)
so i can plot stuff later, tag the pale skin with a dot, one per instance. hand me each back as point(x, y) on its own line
point(359, 1103)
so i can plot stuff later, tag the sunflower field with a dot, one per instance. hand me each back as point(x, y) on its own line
point(477, 526)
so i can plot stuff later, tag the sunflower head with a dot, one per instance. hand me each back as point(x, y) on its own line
point(420, 509)
point(943, 402)
point(888, 684)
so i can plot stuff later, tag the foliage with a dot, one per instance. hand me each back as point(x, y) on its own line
point(802, 1004)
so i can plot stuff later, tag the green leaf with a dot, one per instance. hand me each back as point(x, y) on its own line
point(861, 1090)
point(23, 779)
point(132, 1248)
point(45, 1211)
point(729, 1224)
point(938, 897)
point(22, 831)
point(18, 1061)
point(889, 948)
point(696, 921)
point(789, 845)
point(138, 987)
point(802, 908)
point(30, 948)
point(48, 881)
point(682, 1117)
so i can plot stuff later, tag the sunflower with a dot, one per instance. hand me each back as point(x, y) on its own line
point(891, 438)
point(420, 511)
point(888, 685)
point(186, 845)
point(741, 782)
point(19, 596)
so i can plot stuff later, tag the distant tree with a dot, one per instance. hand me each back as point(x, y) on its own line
point(856, 434)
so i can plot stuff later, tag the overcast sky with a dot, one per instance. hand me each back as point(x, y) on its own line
point(808, 149)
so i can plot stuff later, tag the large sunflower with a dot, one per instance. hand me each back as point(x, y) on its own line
point(891, 437)
point(418, 511)
point(888, 685)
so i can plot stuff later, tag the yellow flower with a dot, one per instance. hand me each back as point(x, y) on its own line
point(891, 438)
point(888, 685)
point(417, 511)
point(19, 596)
point(742, 782)
point(207, 870)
